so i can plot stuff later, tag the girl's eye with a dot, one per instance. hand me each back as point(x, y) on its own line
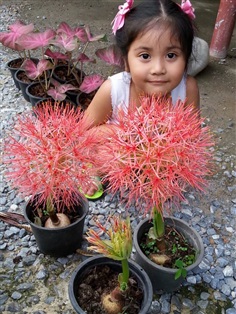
point(145, 56)
point(171, 55)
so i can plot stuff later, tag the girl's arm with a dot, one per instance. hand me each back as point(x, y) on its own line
point(100, 108)
point(192, 92)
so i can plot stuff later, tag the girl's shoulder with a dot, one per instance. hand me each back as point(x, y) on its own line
point(123, 77)
point(192, 91)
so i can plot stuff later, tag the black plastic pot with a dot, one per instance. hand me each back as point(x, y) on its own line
point(135, 271)
point(83, 100)
point(13, 66)
point(22, 84)
point(62, 103)
point(162, 278)
point(32, 97)
point(58, 242)
point(59, 74)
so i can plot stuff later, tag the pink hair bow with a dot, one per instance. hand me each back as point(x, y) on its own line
point(119, 19)
point(186, 6)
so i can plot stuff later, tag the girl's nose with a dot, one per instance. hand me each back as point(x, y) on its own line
point(158, 67)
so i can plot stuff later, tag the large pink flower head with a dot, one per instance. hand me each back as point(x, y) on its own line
point(156, 151)
point(48, 153)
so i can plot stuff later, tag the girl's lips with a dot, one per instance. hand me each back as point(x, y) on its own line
point(157, 82)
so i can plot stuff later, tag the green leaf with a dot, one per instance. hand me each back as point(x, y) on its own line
point(178, 274)
point(179, 263)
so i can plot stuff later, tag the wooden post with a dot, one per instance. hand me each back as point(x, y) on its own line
point(223, 30)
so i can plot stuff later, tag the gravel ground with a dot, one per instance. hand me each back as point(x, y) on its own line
point(34, 283)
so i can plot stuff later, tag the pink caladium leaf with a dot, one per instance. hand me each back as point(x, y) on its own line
point(91, 83)
point(56, 95)
point(36, 40)
point(33, 70)
point(58, 92)
point(67, 43)
point(83, 58)
point(56, 55)
point(64, 28)
point(16, 30)
point(81, 34)
point(92, 38)
point(111, 56)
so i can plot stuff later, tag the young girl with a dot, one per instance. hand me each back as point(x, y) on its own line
point(156, 43)
point(155, 39)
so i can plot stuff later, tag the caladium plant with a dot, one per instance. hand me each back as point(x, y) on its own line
point(65, 45)
point(72, 44)
point(50, 86)
point(10, 38)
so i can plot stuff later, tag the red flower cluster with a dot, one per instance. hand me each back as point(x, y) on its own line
point(48, 154)
point(156, 151)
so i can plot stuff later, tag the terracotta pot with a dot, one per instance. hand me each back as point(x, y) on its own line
point(58, 242)
point(135, 271)
point(162, 278)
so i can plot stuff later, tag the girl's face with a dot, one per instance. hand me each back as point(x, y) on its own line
point(156, 63)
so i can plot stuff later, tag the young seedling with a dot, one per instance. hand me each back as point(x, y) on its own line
point(116, 245)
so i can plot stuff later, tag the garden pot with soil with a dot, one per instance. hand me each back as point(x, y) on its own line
point(163, 278)
point(83, 100)
point(23, 82)
point(94, 276)
point(60, 241)
point(35, 92)
point(13, 66)
point(66, 103)
point(73, 77)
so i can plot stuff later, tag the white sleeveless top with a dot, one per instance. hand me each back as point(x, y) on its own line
point(120, 91)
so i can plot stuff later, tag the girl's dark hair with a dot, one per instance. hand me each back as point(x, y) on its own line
point(152, 14)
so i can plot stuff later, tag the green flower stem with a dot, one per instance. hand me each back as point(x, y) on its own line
point(125, 271)
point(51, 211)
point(158, 223)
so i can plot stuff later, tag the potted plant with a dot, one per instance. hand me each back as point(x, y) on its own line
point(152, 156)
point(90, 84)
point(9, 40)
point(110, 283)
point(47, 156)
point(62, 59)
point(42, 84)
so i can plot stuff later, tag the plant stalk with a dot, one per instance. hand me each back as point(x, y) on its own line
point(51, 212)
point(125, 273)
point(158, 222)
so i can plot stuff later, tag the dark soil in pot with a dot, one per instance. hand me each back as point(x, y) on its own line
point(15, 63)
point(74, 77)
point(102, 280)
point(60, 241)
point(23, 81)
point(83, 100)
point(63, 103)
point(23, 77)
point(13, 66)
point(175, 247)
point(39, 214)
